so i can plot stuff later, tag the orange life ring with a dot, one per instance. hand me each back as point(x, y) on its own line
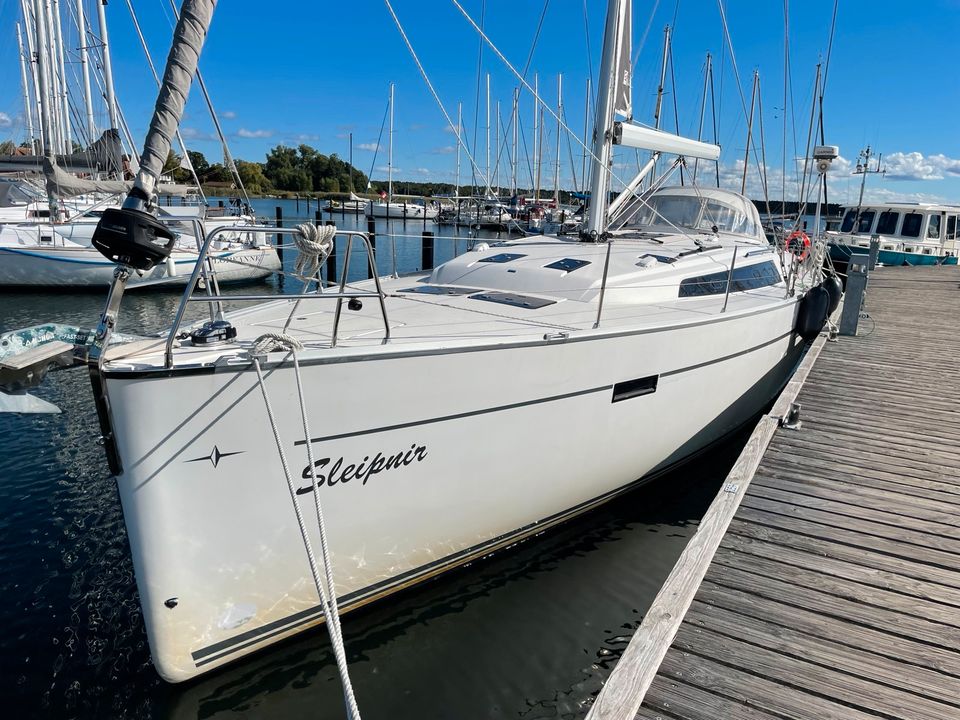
point(798, 243)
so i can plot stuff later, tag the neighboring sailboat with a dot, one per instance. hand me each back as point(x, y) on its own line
point(386, 207)
point(507, 390)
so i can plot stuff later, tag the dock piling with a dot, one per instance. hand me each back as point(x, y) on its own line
point(426, 250)
point(372, 232)
point(279, 240)
point(857, 272)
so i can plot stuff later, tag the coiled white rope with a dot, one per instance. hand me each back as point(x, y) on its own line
point(314, 243)
point(328, 595)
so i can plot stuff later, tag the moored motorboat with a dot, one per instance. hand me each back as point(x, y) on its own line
point(908, 233)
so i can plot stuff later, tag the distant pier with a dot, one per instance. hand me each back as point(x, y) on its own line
point(824, 581)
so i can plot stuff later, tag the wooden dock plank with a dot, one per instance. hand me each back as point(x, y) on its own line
point(834, 591)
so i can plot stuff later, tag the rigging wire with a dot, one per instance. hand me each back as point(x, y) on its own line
point(476, 99)
point(423, 73)
point(383, 124)
point(736, 75)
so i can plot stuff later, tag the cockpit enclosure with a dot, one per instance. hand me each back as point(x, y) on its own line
point(699, 209)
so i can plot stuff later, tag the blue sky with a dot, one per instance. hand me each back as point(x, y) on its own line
point(286, 72)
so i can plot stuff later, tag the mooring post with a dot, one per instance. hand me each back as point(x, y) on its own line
point(298, 205)
point(874, 251)
point(332, 259)
point(426, 250)
point(279, 242)
point(372, 232)
point(858, 269)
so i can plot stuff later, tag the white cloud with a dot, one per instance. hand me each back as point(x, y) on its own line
point(5, 120)
point(916, 166)
point(307, 137)
point(370, 147)
point(385, 169)
point(445, 150)
point(192, 133)
point(244, 133)
point(228, 115)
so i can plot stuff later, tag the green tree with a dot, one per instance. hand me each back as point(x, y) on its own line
point(199, 162)
point(253, 177)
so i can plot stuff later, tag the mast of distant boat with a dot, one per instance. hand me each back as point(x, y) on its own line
point(390, 156)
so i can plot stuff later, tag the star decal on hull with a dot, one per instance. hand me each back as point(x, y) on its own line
point(215, 456)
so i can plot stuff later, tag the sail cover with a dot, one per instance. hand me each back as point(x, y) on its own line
point(103, 155)
point(623, 71)
point(62, 184)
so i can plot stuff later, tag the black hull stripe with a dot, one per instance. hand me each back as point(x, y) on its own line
point(222, 649)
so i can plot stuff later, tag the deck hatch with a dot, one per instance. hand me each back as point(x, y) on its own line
point(514, 299)
point(660, 258)
point(440, 290)
point(635, 388)
point(502, 258)
point(567, 264)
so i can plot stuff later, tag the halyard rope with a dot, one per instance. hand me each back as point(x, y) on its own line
point(328, 595)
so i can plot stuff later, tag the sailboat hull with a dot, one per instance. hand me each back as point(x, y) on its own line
point(425, 461)
point(85, 267)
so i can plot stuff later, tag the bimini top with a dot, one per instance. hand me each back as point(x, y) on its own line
point(703, 209)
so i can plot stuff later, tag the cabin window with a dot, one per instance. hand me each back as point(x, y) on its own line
point(748, 277)
point(848, 221)
point(951, 227)
point(911, 225)
point(933, 228)
point(887, 224)
point(866, 221)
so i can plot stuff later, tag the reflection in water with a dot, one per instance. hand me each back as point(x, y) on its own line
point(530, 632)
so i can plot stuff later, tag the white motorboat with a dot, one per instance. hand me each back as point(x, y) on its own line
point(909, 233)
point(452, 413)
point(412, 210)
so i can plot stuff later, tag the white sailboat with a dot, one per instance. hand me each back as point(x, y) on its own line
point(386, 206)
point(463, 409)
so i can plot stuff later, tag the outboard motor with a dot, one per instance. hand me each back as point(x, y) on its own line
point(813, 312)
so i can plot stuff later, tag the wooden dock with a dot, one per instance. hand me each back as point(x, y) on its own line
point(824, 581)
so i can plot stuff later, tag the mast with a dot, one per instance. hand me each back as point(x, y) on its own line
point(459, 135)
point(536, 131)
point(663, 77)
point(514, 121)
point(586, 136)
point(487, 179)
point(556, 172)
point(746, 153)
point(618, 13)
point(107, 66)
point(496, 164)
point(26, 91)
point(30, 28)
point(62, 81)
point(85, 73)
point(703, 108)
point(350, 140)
point(539, 141)
point(390, 153)
point(45, 120)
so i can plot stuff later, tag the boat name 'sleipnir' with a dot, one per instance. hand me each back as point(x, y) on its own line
point(363, 470)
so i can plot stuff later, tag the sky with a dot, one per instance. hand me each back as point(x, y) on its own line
point(291, 72)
